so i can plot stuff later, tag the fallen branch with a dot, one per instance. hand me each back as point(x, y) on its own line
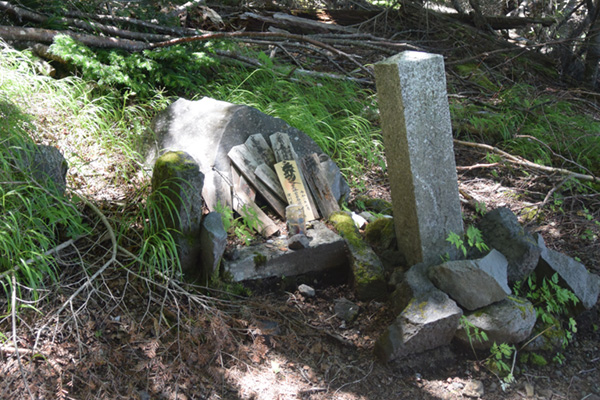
point(87, 25)
point(103, 268)
point(48, 35)
point(525, 163)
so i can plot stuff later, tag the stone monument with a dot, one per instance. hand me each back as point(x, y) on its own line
point(417, 134)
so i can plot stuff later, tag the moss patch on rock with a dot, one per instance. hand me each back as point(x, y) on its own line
point(367, 270)
point(381, 233)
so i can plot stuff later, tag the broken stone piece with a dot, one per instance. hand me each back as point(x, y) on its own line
point(213, 239)
point(345, 309)
point(298, 242)
point(510, 321)
point(501, 231)
point(306, 290)
point(473, 283)
point(573, 275)
point(426, 323)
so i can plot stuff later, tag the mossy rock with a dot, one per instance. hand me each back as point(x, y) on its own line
point(367, 270)
point(381, 233)
point(177, 197)
point(378, 206)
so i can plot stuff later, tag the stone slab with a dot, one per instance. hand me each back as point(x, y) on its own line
point(326, 250)
point(417, 135)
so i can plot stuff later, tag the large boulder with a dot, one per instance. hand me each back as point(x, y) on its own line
point(501, 231)
point(473, 283)
point(509, 321)
point(572, 274)
point(176, 187)
point(207, 129)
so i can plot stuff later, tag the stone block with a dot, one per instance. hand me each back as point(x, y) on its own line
point(326, 250)
point(176, 186)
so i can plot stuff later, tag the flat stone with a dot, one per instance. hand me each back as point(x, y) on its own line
point(573, 274)
point(417, 134)
point(326, 250)
point(473, 283)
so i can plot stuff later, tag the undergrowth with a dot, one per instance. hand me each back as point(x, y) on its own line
point(536, 126)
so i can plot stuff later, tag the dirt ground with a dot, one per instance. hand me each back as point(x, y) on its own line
point(124, 337)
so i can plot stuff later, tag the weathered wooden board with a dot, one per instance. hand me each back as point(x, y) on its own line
point(260, 149)
point(283, 149)
point(319, 185)
point(244, 206)
point(245, 162)
point(295, 190)
point(240, 184)
point(269, 178)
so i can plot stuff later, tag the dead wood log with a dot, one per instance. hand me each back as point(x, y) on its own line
point(10, 33)
point(89, 25)
point(283, 20)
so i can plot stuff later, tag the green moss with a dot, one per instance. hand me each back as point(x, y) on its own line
point(378, 206)
point(344, 224)
point(381, 233)
point(473, 73)
point(260, 260)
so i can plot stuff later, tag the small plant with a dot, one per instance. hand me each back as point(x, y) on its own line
point(474, 239)
point(498, 363)
point(552, 303)
point(473, 333)
point(243, 226)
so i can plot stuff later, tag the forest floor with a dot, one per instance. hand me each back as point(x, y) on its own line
point(128, 338)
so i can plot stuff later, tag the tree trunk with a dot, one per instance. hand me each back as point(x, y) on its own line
point(592, 47)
